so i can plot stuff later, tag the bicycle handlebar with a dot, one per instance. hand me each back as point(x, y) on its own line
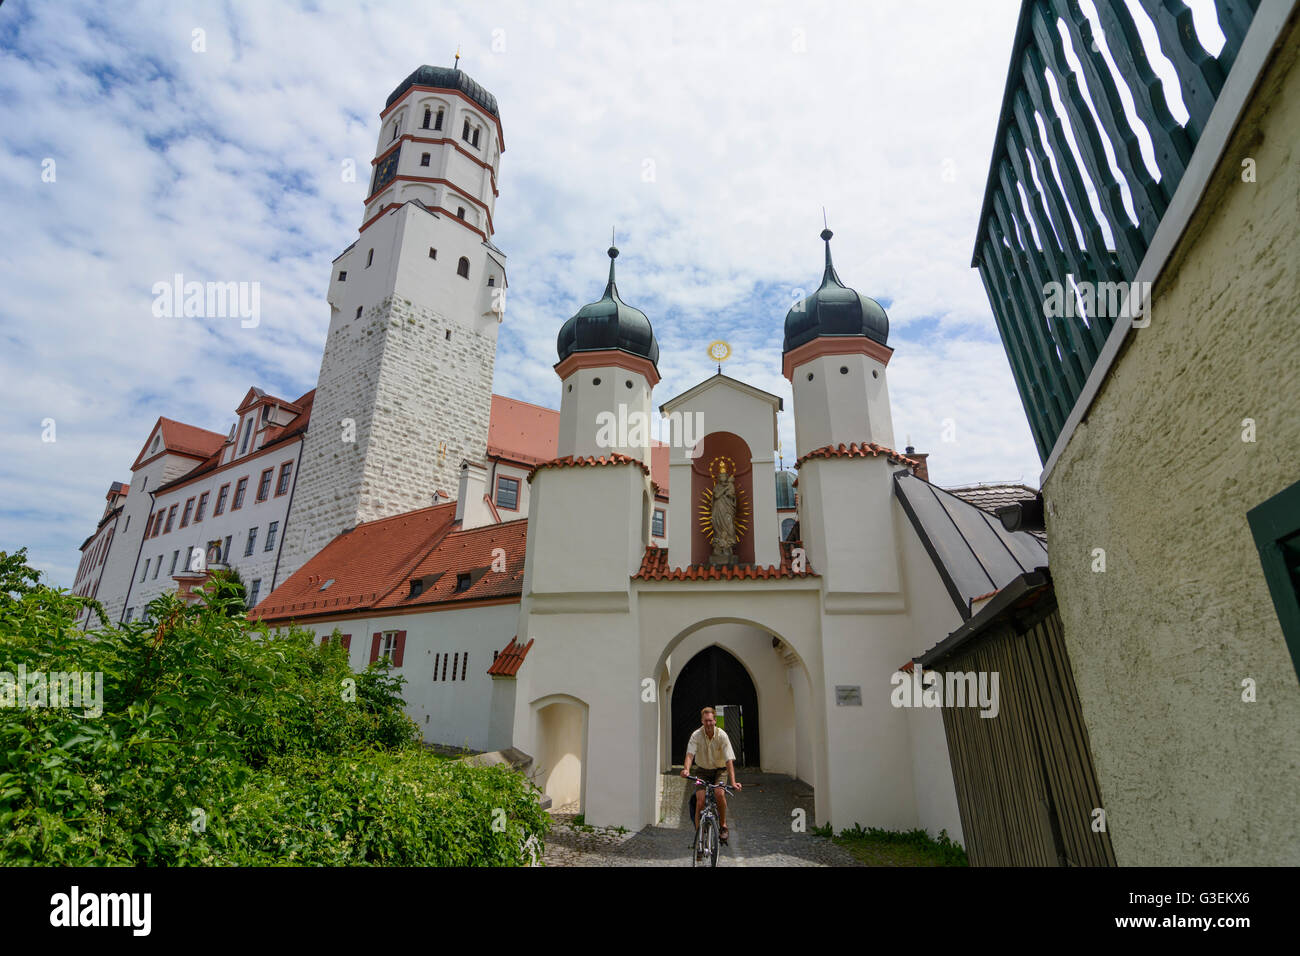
point(705, 783)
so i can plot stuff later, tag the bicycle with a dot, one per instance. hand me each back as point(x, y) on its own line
point(705, 843)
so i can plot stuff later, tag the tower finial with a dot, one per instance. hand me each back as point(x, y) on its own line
point(829, 275)
point(457, 63)
point(611, 290)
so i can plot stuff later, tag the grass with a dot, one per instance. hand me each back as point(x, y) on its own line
point(877, 847)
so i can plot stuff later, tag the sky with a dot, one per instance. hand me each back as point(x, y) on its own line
point(141, 140)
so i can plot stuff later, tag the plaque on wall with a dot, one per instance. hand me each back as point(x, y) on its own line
point(848, 695)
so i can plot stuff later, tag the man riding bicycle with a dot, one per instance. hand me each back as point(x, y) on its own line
point(710, 747)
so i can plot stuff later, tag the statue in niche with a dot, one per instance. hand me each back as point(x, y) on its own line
point(722, 519)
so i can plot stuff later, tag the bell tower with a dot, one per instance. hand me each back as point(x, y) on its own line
point(405, 386)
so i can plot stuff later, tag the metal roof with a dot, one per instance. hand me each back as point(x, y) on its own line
point(972, 552)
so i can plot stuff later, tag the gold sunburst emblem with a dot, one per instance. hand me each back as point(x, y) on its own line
point(719, 351)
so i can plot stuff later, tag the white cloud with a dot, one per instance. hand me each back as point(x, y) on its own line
point(225, 165)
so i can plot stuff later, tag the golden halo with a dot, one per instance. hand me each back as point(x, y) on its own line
point(719, 351)
point(728, 460)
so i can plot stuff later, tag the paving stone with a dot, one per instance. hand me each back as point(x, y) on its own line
point(759, 818)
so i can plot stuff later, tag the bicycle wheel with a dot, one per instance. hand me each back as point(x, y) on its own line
point(713, 842)
point(698, 847)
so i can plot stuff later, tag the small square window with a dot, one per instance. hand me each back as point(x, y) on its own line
point(448, 335)
point(657, 523)
point(424, 159)
point(358, 312)
point(460, 212)
point(343, 275)
point(433, 253)
point(508, 493)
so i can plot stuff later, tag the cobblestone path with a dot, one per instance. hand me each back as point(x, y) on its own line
point(759, 818)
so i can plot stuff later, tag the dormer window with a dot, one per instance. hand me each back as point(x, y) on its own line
point(463, 581)
point(462, 268)
point(248, 431)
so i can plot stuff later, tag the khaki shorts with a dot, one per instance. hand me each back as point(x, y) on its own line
point(713, 776)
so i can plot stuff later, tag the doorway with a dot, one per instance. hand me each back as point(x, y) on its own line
point(715, 678)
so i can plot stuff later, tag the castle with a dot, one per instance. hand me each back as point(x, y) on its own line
point(560, 582)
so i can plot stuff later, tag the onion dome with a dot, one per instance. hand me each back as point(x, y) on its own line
point(609, 323)
point(834, 309)
point(446, 79)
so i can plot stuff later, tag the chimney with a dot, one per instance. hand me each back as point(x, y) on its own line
point(471, 511)
point(921, 469)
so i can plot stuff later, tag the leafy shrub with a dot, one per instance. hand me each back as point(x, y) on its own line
point(222, 743)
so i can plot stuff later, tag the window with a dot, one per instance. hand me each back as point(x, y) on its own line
point(437, 122)
point(657, 523)
point(128, 523)
point(145, 573)
point(264, 484)
point(397, 126)
point(370, 258)
point(266, 413)
point(508, 493)
point(786, 527)
point(474, 142)
point(428, 115)
point(171, 516)
point(252, 541)
point(189, 510)
point(358, 312)
point(464, 133)
point(282, 486)
point(388, 644)
point(433, 253)
point(271, 529)
point(175, 557)
point(129, 612)
point(222, 494)
point(154, 447)
point(157, 567)
point(492, 280)
point(203, 506)
point(248, 432)
point(225, 551)
point(1275, 526)
point(253, 590)
point(463, 581)
point(464, 665)
point(462, 268)
point(240, 487)
point(424, 159)
point(448, 335)
point(460, 212)
point(343, 275)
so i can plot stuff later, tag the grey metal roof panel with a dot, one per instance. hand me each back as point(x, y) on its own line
point(972, 552)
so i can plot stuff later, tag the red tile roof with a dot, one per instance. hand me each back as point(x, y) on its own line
point(181, 438)
point(568, 461)
point(522, 432)
point(854, 450)
point(654, 567)
point(372, 567)
point(511, 659)
point(659, 467)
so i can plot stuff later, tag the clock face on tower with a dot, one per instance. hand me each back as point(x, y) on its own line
point(385, 171)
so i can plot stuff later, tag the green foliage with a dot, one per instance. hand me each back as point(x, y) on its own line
point(221, 743)
point(901, 847)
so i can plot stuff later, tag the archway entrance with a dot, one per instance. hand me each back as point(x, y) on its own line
point(713, 677)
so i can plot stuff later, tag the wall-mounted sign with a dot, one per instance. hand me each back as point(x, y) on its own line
point(848, 696)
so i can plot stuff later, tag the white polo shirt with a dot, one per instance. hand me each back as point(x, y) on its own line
point(711, 754)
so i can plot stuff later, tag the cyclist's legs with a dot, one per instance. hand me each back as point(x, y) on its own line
point(721, 796)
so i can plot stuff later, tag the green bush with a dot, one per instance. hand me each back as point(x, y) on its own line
point(222, 743)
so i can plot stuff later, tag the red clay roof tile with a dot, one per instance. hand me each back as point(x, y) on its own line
point(654, 567)
point(855, 450)
point(569, 461)
point(511, 659)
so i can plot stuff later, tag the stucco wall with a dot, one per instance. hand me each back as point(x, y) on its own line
point(1159, 477)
